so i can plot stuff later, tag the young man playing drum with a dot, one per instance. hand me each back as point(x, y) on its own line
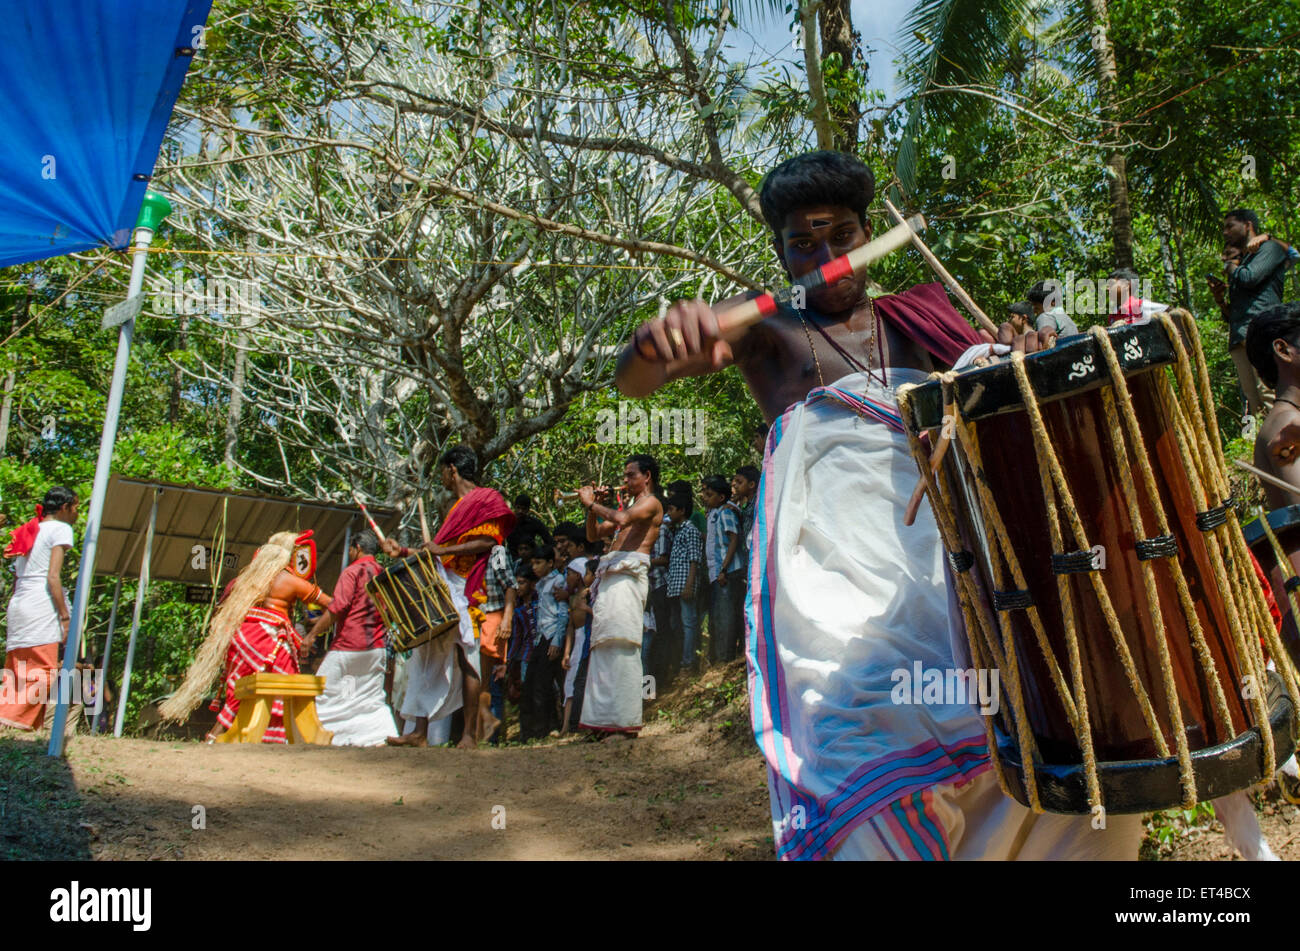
point(477, 521)
point(841, 595)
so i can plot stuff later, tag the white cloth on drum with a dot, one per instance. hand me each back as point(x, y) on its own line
point(613, 697)
point(352, 705)
point(433, 677)
point(456, 584)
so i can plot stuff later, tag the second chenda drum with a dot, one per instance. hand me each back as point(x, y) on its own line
point(414, 601)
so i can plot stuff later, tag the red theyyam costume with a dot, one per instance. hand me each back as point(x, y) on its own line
point(252, 629)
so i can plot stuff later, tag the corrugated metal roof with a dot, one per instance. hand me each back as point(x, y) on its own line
point(189, 516)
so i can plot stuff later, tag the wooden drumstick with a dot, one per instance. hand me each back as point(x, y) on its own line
point(364, 511)
point(855, 262)
point(1274, 480)
point(424, 522)
point(943, 274)
point(936, 459)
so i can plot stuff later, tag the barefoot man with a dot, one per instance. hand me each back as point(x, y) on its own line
point(442, 675)
point(841, 594)
point(612, 701)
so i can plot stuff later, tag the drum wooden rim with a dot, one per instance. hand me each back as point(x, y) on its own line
point(1074, 365)
point(1140, 786)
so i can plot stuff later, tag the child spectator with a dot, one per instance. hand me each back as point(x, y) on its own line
point(658, 631)
point(498, 617)
point(684, 571)
point(744, 486)
point(552, 618)
point(726, 568)
point(523, 634)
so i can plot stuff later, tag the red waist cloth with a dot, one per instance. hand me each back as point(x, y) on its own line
point(265, 643)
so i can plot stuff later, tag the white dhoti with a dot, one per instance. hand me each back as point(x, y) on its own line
point(841, 596)
point(352, 705)
point(433, 677)
point(612, 701)
point(575, 659)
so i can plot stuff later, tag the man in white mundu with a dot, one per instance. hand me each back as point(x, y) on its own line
point(612, 703)
point(353, 706)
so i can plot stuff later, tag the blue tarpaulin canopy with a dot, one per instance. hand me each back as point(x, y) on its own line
point(86, 90)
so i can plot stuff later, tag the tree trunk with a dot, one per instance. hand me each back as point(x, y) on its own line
point(1167, 260)
point(835, 20)
point(174, 404)
point(1121, 218)
point(1182, 264)
point(236, 397)
point(812, 59)
point(6, 407)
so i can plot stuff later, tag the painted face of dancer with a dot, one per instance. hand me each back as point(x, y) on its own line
point(814, 236)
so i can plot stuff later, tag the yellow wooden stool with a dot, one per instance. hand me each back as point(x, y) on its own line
point(257, 692)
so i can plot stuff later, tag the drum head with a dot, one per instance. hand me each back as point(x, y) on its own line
point(1074, 365)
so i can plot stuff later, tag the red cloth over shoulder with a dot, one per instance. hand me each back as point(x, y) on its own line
point(925, 316)
point(24, 536)
point(479, 506)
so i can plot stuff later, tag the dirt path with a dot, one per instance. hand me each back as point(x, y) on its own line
point(692, 787)
point(643, 799)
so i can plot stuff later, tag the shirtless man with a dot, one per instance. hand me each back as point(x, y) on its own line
point(840, 593)
point(612, 700)
point(1273, 345)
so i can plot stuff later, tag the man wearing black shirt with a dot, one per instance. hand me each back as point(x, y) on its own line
point(1254, 285)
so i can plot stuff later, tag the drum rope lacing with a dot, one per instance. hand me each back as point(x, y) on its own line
point(1205, 466)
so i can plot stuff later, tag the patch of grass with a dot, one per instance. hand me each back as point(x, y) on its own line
point(1165, 829)
point(39, 805)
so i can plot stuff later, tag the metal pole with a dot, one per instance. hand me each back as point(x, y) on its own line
point(108, 648)
point(84, 575)
point(135, 618)
point(347, 543)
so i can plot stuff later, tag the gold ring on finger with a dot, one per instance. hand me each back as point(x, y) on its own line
point(676, 335)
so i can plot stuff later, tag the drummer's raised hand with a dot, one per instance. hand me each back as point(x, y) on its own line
point(391, 548)
point(688, 330)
